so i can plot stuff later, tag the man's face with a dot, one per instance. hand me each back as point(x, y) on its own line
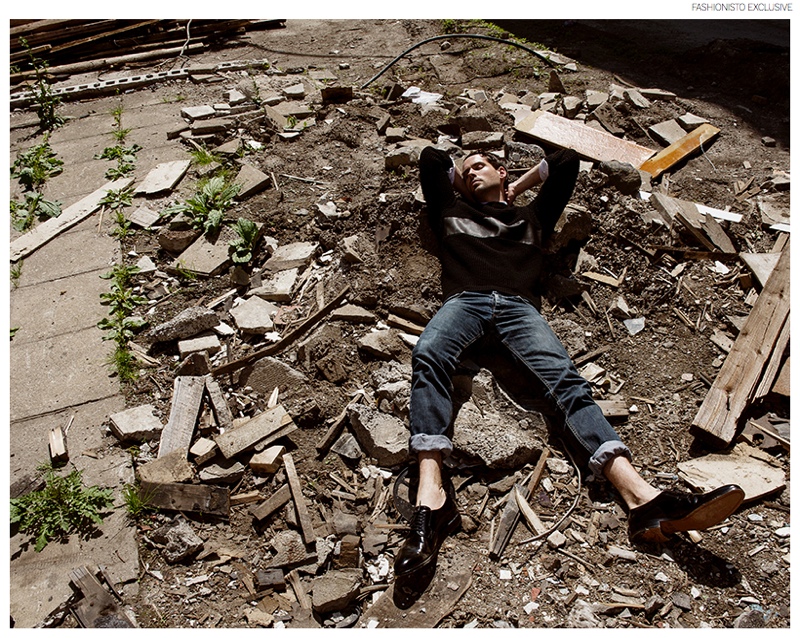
point(483, 180)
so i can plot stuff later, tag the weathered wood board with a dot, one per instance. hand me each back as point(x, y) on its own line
point(588, 142)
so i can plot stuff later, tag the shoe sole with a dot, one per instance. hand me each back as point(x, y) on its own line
point(452, 526)
point(703, 517)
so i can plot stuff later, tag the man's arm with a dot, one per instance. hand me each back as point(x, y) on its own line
point(531, 178)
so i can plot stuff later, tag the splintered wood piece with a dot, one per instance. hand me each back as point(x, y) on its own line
point(265, 428)
point(739, 376)
point(293, 578)
point(222, 412)
point(511, 513)
point(272, 504)
point(588, 142)
point(58, 446)
point(717, 234)
point(187, 397)
point(679, 150)
point(300, 505)
point(184, 497)
point(44, 232)
point(97, 608)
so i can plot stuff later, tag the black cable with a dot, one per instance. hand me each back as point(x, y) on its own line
point(457, 35)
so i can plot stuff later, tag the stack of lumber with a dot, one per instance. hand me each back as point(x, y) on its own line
point(68, 42)
point(754, 362)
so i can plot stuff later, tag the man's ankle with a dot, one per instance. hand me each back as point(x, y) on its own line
point(433, 498)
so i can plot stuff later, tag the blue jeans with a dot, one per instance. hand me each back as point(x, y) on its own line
point(461, 321)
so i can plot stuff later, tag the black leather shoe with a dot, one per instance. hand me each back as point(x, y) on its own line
point(671, 512)
point(429, 528)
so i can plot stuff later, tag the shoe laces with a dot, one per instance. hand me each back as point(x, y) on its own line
point(420, 522)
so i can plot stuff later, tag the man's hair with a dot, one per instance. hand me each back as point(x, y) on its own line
point(491, 158)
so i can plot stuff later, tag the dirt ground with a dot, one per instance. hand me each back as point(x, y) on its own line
point(738, 572)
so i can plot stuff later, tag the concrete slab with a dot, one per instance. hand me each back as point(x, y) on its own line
point(86, 432)
point(51, 308)
point(67, 255)
point(59, 372)
point(207, 257)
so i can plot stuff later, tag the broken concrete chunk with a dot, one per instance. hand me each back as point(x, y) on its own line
point(690, 122)
point(622, 176)
point(353, 314)
point(198, 112)
point(667, 132)
point(632, 96)
point(295, 92)
point(347, 447)
point(179, 540)
point(291, 550)
point(206, 342)
point(163, 177)
point(336, 590)
point(481, 140)
point(382, 436)
point(251, 181)
point(226, 471)
point(187, 323)
point(202, 450)
point(136, 424)
point(143, 217)
point(383, 344)
point(278, 287)
point(254, 316)
point(170, 468)
point(296, 255)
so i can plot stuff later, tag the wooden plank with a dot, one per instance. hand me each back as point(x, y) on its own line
point(286, 340)
point(187, 397)
point(186, 497)
point(273, 503)
point(449, 585)
point(688, 216)
point(588, 142)
point(774, 363)
point(739, 376)
point(47, 230)
point(300, 505)
point(261, 428)
point(717, 234)
point(762, 264)
point(782, 384)
point(679, 150)
point(219, 406)
point(97, 608)
point(293, 578)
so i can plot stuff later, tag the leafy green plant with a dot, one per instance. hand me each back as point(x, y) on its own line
point(183, 272)
point(117, 198)
point(201, 156)
point(125, 156)
point(63, 507)
point(241, 248)
point(23, 213)
point(206, 210)
point(47, 102)
point(36, 165)
point(120, 326)
point(137, 501)
point(16, 273)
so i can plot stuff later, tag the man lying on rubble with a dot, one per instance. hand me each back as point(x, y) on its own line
point(491, 257)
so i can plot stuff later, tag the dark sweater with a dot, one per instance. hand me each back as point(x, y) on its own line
point(494, 246)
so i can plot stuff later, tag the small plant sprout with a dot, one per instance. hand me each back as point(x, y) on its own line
point(206, 210)
point(63, 507)
point(47, 102)
point(36, 165)
point(23, 213)
point(242, 247)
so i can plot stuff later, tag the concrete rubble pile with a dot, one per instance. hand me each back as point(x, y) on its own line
point(247, 416)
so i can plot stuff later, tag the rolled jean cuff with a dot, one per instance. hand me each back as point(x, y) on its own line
point(430, 443)
point(603, 454)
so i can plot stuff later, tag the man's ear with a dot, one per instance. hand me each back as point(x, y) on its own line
point(502, 172)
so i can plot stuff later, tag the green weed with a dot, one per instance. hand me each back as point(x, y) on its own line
point(36, 165)
point(63, 507)
point(47, 102)
point(206, 210)
point(34, 206)
point(242, 247)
